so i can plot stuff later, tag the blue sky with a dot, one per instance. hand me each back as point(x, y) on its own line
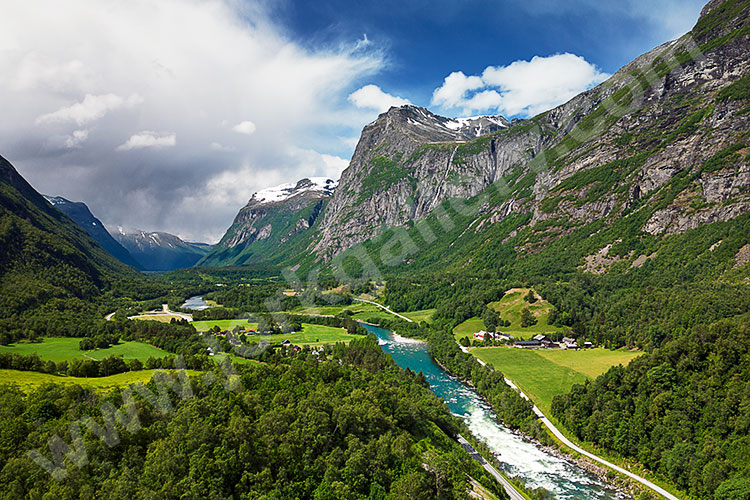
point(169, 114)
point(424, 41)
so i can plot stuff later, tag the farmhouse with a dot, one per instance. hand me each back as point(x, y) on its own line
point(569, 343)
point(528, 344)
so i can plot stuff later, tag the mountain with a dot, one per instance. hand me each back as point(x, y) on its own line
point(45, 256)
point(158, 251)
point(663, 143)
point(273, 223)
point(81, 215)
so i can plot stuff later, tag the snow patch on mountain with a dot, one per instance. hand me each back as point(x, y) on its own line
point(285, 191)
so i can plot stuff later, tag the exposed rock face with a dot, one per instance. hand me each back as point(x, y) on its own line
point(271, 218)
point(666, 134)
point(410, 160)
point(608, 150)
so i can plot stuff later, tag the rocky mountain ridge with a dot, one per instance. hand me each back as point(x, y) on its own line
point(159, 251)
point(81, 215)
point(663, 140)
point(272, 218)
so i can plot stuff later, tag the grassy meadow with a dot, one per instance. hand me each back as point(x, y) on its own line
point(542, 374)
point(66, 349)
point(27, 381)
point(509, 308)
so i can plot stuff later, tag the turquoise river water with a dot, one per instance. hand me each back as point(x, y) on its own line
point(518, 456)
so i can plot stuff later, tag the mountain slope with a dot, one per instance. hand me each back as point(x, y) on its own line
point(158, 251)
point(44, 255)
point(664, 141)
point(81, 215)
point(273, 223)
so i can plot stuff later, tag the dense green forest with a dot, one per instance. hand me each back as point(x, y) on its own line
point(352, 427)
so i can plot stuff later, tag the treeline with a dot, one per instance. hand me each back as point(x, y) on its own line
point(683, 411)
point(355, 427)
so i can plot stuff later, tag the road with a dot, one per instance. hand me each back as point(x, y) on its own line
point(559, 435)
point(509, 488)
point(385, 309)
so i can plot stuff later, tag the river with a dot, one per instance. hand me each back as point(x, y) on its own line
point(518, 456)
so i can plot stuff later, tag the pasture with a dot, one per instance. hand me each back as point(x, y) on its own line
point(28, 381)
point(66, 349)
point(543, 374)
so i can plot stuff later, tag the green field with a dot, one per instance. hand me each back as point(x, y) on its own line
point(510, 306)
point(66, 349)
point(30, 380)
point(310, 335)
point(422, 315)
point(468, 328)
point(543, 375)
point(224, 324)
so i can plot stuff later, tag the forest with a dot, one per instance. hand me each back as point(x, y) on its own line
point(352, 427)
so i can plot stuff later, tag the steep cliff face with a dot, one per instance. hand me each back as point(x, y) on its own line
point(665, 136)
point(410, 160)
point(273, 218)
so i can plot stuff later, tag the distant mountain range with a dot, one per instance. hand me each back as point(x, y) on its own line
point(159, 251)
point(273, 221)
point(144, 250)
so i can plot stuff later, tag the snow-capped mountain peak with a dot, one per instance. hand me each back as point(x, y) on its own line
point(285, 191)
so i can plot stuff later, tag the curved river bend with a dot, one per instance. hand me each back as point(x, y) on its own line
point(518, 456)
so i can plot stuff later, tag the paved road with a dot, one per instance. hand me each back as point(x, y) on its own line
point(385, 309)
point(580, 450)
point(509, 488)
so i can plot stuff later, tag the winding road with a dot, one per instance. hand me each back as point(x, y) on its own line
point(567, 442)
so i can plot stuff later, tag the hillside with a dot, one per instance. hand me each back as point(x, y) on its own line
point(81, 215)
point(44, 255)
point(662, 145)
point(274, 223)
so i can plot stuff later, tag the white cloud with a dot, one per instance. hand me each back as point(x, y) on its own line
point(217, 146)
point(245, 127)
point(523, 88)
point(373, 97)
point(90, 109)
point(147, 139)
point(452, 93)
point(75, 139)
point(77, 65)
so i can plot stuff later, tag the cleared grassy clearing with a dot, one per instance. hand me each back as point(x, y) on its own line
point(422, 315)
point(510, 307)
point(311, 335)
point(468, 328)
point(542, 375)
point(66, 349)
point(224, 324)
point(590, 362)
point(30, 380)
point(161, 318)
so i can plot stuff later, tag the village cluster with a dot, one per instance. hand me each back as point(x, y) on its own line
point(539, 341)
